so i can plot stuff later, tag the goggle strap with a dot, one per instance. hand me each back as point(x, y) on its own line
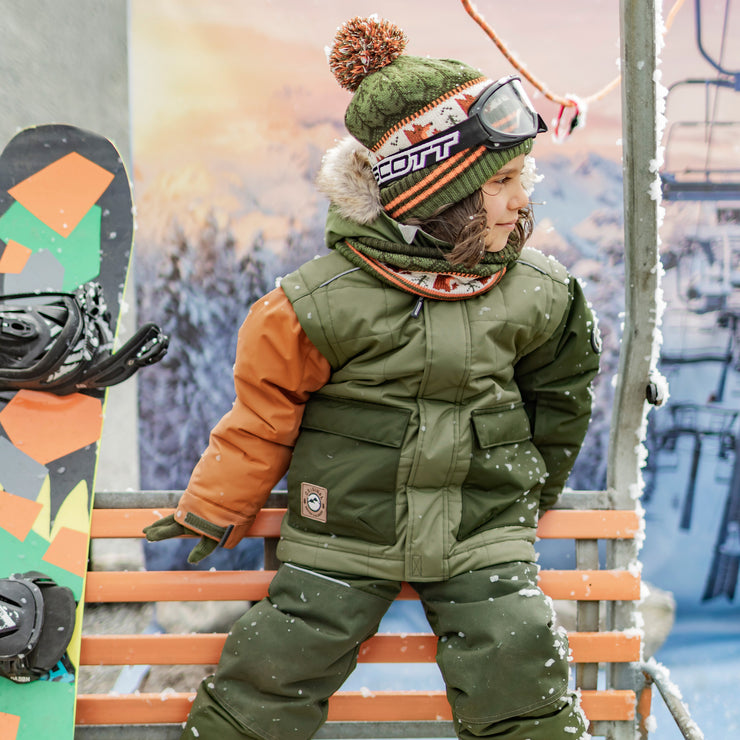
point(440, 147)
point(469, 133)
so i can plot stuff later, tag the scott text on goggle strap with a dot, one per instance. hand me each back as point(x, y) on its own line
point(415, 158)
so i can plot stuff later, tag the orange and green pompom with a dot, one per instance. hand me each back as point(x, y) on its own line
point(363, 46)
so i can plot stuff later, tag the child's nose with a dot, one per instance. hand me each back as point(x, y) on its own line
point(519, 198)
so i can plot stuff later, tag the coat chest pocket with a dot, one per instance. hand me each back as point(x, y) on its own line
point(504, 466)
point(342, 478)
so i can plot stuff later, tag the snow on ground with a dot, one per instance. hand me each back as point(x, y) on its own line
point(703, 656)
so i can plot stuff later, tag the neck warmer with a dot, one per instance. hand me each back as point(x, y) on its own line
point(423, 270)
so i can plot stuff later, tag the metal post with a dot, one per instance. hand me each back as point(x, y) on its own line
point(638, 30)
point(639, 144)
point(688, 502)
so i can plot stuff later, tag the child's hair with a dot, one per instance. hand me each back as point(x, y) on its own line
point(464, 225)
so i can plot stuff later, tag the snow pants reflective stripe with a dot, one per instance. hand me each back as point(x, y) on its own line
point(504, 667)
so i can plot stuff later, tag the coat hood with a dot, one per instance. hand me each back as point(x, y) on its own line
point(359, 228)
point(346, 179)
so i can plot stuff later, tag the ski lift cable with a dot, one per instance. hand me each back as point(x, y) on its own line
point(710, 132)
point(565, 101)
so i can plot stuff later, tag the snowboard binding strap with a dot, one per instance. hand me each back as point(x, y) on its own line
point(62, 343)
point(37, 618)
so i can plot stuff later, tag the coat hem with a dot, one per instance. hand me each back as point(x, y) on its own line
point(328, 555)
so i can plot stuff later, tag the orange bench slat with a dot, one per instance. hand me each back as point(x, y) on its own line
point(558, 524)
point(107, 586)
point(205, 649)
point(590, 585)
point(223, 585)
point(589, 524)
point(106, 709)
point(609, 704)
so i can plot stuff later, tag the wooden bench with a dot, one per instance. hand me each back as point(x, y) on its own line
point(614, 701)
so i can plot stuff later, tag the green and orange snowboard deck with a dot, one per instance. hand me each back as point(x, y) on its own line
point(65, 219)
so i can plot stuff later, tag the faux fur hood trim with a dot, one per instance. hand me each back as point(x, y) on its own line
point(346, 178)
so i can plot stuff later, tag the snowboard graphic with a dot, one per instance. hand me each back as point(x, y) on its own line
point(66, 230)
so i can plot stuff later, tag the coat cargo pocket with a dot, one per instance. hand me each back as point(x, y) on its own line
point(504, 466)
point(342, 479)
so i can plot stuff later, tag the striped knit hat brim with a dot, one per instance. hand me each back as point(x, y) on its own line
point(422, 194)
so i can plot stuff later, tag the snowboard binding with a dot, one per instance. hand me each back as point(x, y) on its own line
point(37, 618)
point(62, 343)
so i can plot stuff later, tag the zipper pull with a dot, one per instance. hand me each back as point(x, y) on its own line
point(417, 308)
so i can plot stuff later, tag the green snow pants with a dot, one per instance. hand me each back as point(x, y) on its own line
point(504, 666)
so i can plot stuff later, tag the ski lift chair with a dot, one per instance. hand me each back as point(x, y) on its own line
point(700, 183)
point(705, 183)
point(697, 422)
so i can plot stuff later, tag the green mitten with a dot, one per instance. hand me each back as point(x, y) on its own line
point(167, 527)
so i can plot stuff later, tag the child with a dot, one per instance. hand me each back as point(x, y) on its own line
point(427, 387)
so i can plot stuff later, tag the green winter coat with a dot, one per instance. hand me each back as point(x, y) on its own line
point(446, 426)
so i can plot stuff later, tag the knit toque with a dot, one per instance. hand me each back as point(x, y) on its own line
point(399, 101)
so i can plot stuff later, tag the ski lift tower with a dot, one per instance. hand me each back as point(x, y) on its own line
point(704, 183)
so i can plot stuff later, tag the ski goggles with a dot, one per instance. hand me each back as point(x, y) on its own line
point(501, 117)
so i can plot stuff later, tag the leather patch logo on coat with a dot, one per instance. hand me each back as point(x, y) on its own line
point(313, 502)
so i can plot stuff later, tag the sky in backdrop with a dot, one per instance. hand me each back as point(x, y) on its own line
point(233, 101)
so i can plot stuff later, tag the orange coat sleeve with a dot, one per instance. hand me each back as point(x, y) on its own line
point(276, 370)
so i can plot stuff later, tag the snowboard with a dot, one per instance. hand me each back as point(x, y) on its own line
point(66, 221)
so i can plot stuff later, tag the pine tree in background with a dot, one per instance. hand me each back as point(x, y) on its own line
point(603, 285)
point(199, 293)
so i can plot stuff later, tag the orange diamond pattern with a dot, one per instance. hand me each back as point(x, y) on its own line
point(17, 515)
point(14, 257)
point(68, 550)
point(61, 193)
point(45, 426)
point(9, 724)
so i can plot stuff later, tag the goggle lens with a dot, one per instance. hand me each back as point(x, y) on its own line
point(505, 109)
